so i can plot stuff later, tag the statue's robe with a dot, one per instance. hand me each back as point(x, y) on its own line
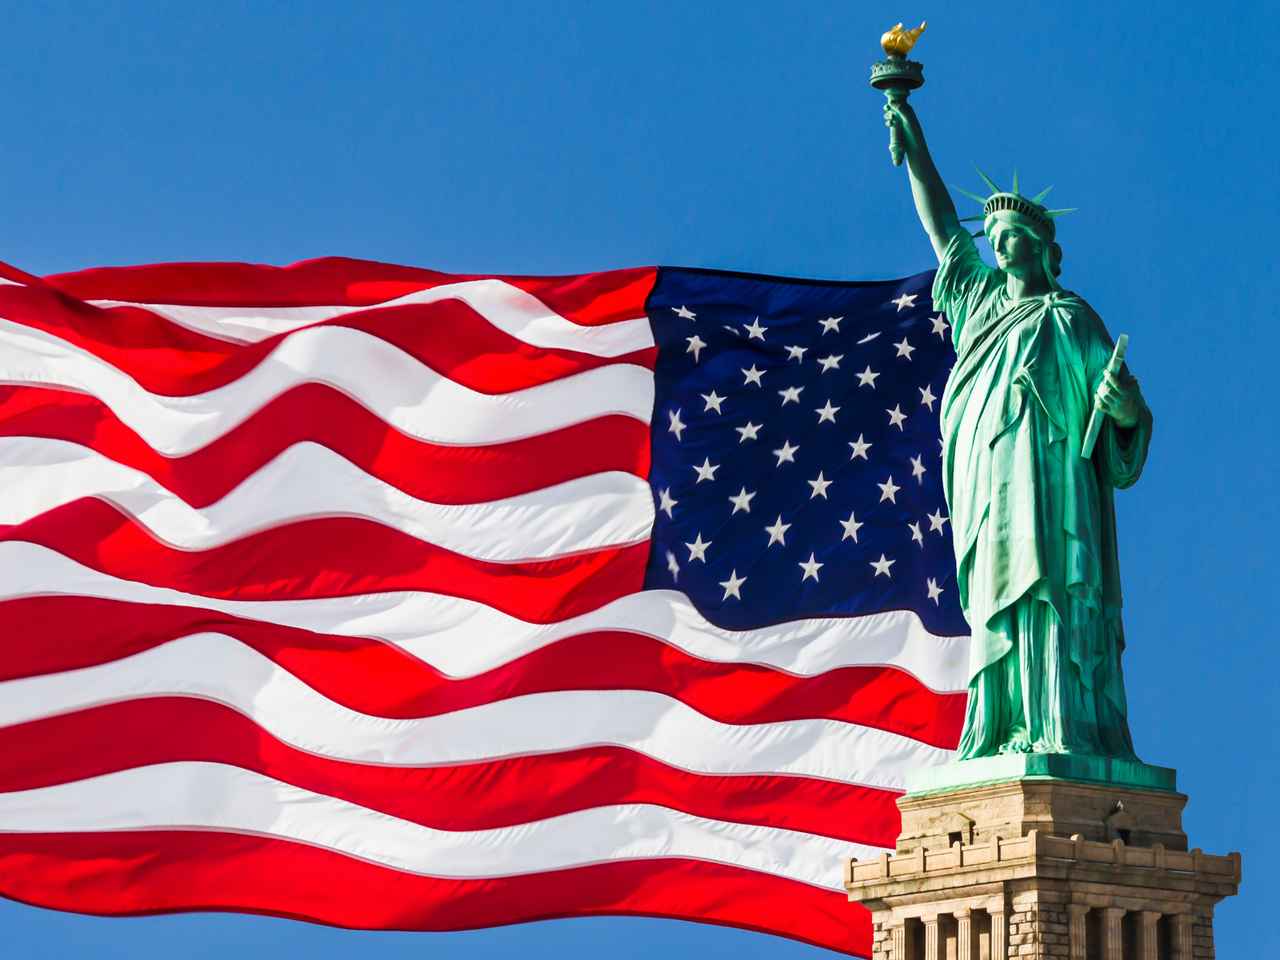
point(1033, 521)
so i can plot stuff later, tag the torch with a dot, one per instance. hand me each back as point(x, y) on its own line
point(897, 77)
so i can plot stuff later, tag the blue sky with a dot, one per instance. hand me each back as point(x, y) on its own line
point(558, 137)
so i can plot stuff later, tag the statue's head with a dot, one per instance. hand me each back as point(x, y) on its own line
point(1021, 231)
point(1021, 248)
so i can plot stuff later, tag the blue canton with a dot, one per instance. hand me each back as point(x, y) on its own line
point(797, 455)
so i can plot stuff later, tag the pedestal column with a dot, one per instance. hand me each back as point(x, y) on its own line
point(1148, 945)
point(999, 932)
point(1112, 936)
point(898, 939)
point(1077, 936)
point(931, 941)
point(964, 934)
point(1182, 936)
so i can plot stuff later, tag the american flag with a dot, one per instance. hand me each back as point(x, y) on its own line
point(392, 599)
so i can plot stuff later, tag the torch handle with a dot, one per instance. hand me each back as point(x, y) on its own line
point(897, 148)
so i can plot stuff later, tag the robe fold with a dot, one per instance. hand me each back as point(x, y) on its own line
point(1033, 522)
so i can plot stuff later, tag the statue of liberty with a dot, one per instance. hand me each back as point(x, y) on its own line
point(1033, 520)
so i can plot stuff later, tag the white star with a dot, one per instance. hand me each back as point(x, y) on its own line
point(676, 426)
point(777, 533)
point(673, 566)
point(829, 324)
point(695, 346)
point(906, 300)
point(819, 487)
point(827, 413)
point(860, 448)
point(706, 471)
point(698, 549)
point(754, 329)
point(787, 453)
point(935, 591)
point(810, 568)
point(796, 353)
point(940, 326)
point(742, 501)
point(684, 313)
point(916, 535)
point(667, 503)
point(713, 401)
point(887, 491)
point(896, 416)
point(831, 363)
point(790, 395)
point(753, 376)
point(936, 520)
point(867, 378)
point(749, 431)
point(850, 528)
point(882, 566)
point(868, 338)
point(904, 349)
point(731, 586)
point(927, 397)
point(917, 468)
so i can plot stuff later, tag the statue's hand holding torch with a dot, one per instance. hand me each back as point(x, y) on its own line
point(904, 127)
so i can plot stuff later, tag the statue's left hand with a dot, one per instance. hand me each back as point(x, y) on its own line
point(1116, 400)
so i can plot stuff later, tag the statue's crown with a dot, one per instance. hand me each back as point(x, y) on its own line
point(1014, 202)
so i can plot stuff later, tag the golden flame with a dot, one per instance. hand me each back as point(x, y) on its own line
point(901, 41)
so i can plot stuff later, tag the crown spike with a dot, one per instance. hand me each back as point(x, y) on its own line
point(990, 183)
point(979, 216)
point(1015, 181)
point(1042, 194)
point(1057, 213)
point(979, 233)
point(973, 196)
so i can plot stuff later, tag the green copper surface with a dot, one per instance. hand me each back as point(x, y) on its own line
point(1041, 766)
point(1033, 522)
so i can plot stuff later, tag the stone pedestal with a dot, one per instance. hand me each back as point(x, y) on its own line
point(1042, 867)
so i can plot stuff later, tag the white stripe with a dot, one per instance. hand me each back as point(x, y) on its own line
point(510, 309)
point(462, 638)
point(308, 480)
point(212, 796)
point(403, 392)
point(215, 667)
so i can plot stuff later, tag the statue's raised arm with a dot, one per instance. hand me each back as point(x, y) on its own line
point(933, 202)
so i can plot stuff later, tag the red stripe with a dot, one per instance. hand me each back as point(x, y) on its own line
point(320, 414)
point(172, 360)
point(52, 634)
point(589, 299)
point(475, 796)
point(172, 871)
point(457, 342)
point(21, 276)
point(332, 557)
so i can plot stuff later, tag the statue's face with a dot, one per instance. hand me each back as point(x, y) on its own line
point(1017, 250)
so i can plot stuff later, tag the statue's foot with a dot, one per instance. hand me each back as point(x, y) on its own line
point(1047, 746)
point(1017, 745)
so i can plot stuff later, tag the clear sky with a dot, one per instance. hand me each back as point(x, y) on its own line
point(557, 137)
